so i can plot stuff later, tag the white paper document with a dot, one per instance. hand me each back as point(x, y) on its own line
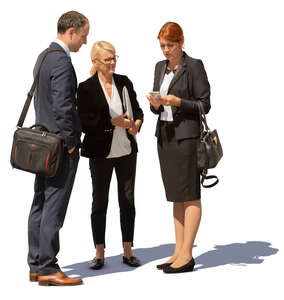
point(127, 103)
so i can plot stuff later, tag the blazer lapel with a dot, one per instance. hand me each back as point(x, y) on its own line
point(75, 77)
point(98, 91)
point(161, 74)
point(119, 85)
point(180, 70)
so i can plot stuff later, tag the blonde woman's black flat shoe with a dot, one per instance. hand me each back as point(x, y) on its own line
point(132, 261)
point(185, 268)
point(97, 263)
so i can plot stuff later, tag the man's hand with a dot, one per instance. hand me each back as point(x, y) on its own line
point(71, 150)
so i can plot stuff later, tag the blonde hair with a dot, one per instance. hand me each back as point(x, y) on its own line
point(95, 52)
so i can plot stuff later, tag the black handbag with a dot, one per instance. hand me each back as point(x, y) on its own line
point(36, 149)
point(209, 149)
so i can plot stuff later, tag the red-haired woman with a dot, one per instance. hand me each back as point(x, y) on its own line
point(182, 83)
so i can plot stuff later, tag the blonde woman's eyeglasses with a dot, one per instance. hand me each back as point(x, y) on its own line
point(109, 60)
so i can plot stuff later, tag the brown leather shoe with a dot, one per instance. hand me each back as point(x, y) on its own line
point(58, 278)
point(33, 277)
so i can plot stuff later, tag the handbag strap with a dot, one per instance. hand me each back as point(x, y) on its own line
point(202, 117)
point(31, 92)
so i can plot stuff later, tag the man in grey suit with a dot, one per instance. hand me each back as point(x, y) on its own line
point(55, 106)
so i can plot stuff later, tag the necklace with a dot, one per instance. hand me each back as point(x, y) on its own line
point(105, 83)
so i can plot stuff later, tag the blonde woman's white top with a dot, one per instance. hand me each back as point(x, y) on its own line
point(120, 145)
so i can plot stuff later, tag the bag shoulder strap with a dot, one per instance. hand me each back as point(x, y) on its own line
point(31, 92)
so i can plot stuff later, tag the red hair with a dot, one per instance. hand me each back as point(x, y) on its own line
point(172, 32)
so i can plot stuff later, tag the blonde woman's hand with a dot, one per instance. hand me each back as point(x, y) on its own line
point(121, 121)
point(134, 129)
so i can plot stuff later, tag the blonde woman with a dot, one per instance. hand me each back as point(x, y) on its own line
point(110, 144)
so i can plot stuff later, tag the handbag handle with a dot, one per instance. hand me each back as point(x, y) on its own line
point(31, 92)
point(41, 125)
point(204, 177)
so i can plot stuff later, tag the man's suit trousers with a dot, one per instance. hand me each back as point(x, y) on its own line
point(47, 215)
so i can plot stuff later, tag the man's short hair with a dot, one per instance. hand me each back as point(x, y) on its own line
point(71, 19)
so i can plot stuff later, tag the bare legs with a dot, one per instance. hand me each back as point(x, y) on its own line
point(126, 249)
point(179, 229)
point(100, 251)
point(187, 217)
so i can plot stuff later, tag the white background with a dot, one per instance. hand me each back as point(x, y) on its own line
point(241, 45)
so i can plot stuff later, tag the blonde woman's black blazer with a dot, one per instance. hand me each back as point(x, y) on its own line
point(95, 117)
point(189, 83)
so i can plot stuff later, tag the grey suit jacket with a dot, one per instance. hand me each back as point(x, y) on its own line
point(189, 83)
point(55, 95)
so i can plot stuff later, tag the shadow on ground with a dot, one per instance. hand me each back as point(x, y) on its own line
point(240, 254)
